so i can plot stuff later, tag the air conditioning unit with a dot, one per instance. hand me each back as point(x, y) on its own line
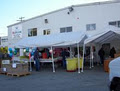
point(46, 20)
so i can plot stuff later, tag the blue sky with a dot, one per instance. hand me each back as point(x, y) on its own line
point(11, 10)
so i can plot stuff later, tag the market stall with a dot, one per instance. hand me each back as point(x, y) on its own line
point(54, 40)
point(111, 36)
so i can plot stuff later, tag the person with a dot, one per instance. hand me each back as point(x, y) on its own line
point(101, 53)
point(48, 53)
point(112, 52)
point(115, 84)
point(36, 58)
point(0, 55)
point(63, 54)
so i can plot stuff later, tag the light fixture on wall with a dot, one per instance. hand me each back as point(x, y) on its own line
point(70, 10)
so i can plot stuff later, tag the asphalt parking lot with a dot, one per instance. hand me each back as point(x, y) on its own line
point(94, 79)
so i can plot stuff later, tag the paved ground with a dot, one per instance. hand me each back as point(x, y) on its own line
point(90, 80)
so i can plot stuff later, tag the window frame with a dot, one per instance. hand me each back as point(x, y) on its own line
point(91, 27)
point(46, 31)
point(117, 23)
point(32, 32)
point(66, 29)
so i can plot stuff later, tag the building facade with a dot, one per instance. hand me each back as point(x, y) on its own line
point(4, 41)
point(91, 18)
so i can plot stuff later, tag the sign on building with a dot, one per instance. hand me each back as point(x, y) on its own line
point(17, 31)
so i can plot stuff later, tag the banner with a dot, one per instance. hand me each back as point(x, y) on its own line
point(17, 31)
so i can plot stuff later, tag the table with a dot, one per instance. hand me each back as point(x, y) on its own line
point(50, 60)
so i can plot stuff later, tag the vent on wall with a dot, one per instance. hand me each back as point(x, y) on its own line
point(46, 20)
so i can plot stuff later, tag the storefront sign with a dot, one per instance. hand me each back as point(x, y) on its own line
point(17, 31)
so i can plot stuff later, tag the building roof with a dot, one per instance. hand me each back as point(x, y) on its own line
point(80, 5)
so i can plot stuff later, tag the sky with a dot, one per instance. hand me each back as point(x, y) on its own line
point(12, 10)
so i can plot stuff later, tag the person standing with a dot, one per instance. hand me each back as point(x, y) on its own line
point(63, 54)
point(112, 52)
point(36, 58)
point(101, 53)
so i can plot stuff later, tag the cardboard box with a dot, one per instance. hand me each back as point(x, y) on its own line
point(106, 64)
point(18, 68)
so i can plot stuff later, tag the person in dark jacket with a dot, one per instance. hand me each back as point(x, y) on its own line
point(63, 54)
point(112, 52)
point(36, 58)
point(101, 53)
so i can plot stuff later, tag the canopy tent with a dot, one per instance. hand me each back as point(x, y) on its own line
point(54, 40)
point(51, 40)
point(73, 42)
point(104, 37)
point(109, 33)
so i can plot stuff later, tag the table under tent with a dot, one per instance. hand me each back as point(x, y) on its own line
point(53, 41)
point(111, 37)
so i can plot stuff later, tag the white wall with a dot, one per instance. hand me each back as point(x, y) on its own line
point(99, 14)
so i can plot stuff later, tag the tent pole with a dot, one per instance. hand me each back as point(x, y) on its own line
point(83, 57)
point(52, 60)
point(70, 52)
point(30, 59)
point(90, 56)
point(78, 58)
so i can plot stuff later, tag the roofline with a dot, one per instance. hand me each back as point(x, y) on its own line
point(79, 5)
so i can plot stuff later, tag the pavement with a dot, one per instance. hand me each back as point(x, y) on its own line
point(94, 79)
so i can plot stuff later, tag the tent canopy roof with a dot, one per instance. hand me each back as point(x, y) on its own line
point(109, 34)
point(103, 37)
point(62, 39)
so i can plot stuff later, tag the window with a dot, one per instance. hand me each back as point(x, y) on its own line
point(46, 20)
point(62, 30)
point(115, 23)
point(90, 27)
point(46, 32)
point(32, 32)
point(65, 29)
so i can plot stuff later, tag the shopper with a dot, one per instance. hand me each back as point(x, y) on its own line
point(63, 54)
point(101, 53)
point(112, 52)
point(36, 58)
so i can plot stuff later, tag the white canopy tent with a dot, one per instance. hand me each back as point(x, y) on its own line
point(50, 40)
point(54, 40)
point(104, 37)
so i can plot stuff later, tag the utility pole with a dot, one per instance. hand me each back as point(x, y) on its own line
point(21, 19)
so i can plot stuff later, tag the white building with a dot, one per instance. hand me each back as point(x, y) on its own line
point(4, 41)
point(92, 18)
